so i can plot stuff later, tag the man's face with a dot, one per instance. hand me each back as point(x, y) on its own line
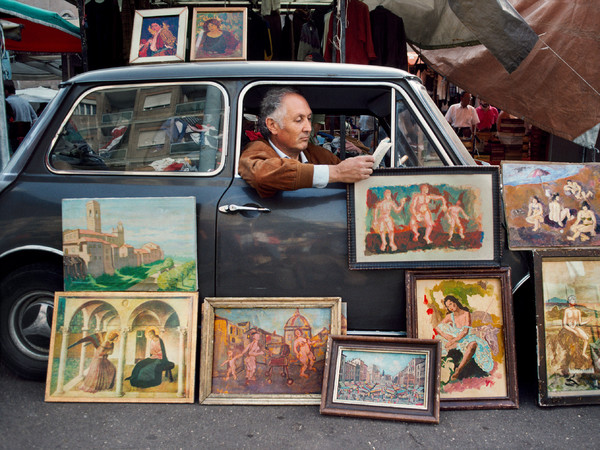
point(293, 134)
point(465, 100)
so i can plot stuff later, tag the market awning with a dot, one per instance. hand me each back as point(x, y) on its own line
point(42, 31)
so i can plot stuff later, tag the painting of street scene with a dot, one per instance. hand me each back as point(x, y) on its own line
point(470, 314)
point(551, 205)
point(571, 326)
point(410, 218)
point(270, 351)
point(381, 378)
point(129, 244)
point(123, 347)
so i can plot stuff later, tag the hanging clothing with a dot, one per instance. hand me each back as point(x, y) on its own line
point(269, 6)
point(286, 45)
point(389, 39)
point(359, 39)
point(273, 21)
point(309, 41)
point(259, 39)
point(299, 18)
point(104, 34)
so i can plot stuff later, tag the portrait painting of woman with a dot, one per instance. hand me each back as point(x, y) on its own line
point(219, 34)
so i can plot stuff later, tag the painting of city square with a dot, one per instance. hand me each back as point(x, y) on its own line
point(551, 205)
point(266, 350)
point(129, 244)
point(123, 347)
point(425, 217)
point(568, 311)
point(395, 379)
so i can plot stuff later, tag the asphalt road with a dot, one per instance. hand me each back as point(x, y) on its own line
point(26, 421)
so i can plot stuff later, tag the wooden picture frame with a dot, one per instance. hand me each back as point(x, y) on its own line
point(488, 380)
point(458, 225)
point(265, 351)
point(382, 378)
point(159, 35)
point(137, 347)
point(219, 34)
point(567, 286)
point(551, 205)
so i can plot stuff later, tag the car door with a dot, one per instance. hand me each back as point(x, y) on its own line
point(296, 242)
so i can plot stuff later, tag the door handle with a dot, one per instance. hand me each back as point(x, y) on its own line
point(232, 209)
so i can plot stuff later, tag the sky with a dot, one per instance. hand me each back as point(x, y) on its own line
point(519, 173)
point(274, 319)
point(389, 362)
point(169, 221)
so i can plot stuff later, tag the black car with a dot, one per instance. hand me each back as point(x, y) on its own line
point(178, 130)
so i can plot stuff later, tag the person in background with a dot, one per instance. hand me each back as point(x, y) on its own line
point(463, 117)
point(20, 115)
point(488, 115)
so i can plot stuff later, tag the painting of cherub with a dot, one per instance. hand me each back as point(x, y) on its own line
point(551, 205)
point(429, 218)
point(470, 315)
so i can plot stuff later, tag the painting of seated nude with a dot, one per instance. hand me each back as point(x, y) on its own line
point(425, 217)
point(551, 205)
point(568, 311)
point(470, 313)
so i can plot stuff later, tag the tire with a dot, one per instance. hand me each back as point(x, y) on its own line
point(26, 308)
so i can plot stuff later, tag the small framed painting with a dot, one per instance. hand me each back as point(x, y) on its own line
point(123, 347)
point(159, 35)
point(425, 217)
point(219, 34)
point(470, 312)
point(551, 205)
point(567, 291)
point(265, 351)
point(382, 378)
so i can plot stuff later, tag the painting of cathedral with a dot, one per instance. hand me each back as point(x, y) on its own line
point(140, 244)
point(266, 351)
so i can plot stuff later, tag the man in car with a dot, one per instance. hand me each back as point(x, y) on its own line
point(285, 160)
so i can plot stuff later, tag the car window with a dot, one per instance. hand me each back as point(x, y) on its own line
point(167, 129)
point(413, 147)
point(359, 115)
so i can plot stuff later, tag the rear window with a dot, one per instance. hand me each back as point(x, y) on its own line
point(155, 129)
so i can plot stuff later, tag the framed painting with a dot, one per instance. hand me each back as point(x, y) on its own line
point(219, 34)
point(425, 217)
point(382, 378)
point(567, 291)
point(129, 244)
point(265, 351)
point(123, 347)
point(470, 312)
point(159, 35)
point(551, 205)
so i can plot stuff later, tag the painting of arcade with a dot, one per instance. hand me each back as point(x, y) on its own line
point(123, 347)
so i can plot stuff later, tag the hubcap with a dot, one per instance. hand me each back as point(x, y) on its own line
point(30, 322)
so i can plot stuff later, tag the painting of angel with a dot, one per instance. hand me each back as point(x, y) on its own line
point(424, 216)
point(471, 316)
point(551, 205)
point(122, 347)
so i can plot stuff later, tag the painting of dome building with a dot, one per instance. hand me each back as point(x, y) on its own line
point(138, 244)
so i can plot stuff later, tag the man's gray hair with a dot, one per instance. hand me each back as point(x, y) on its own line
point(271, 107)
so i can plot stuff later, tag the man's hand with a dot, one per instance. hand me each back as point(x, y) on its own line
point(352, 170)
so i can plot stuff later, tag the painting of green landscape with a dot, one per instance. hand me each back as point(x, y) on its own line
point(129, 244)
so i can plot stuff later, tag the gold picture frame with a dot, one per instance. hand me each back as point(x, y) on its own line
point(265, 351)
point(219, 34)
point(137, 347)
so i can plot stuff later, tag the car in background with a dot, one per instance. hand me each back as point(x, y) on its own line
point(178, 131)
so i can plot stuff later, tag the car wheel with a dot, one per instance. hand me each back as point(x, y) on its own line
point(26, 308)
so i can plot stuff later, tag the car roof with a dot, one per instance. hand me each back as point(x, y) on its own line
point(239, 70)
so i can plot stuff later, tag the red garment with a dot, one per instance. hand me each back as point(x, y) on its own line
point(487, 118)
point(359, 40)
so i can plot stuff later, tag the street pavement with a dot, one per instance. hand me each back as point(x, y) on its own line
point(26, 421)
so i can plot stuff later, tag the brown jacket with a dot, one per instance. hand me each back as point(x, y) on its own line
point(267, 172)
